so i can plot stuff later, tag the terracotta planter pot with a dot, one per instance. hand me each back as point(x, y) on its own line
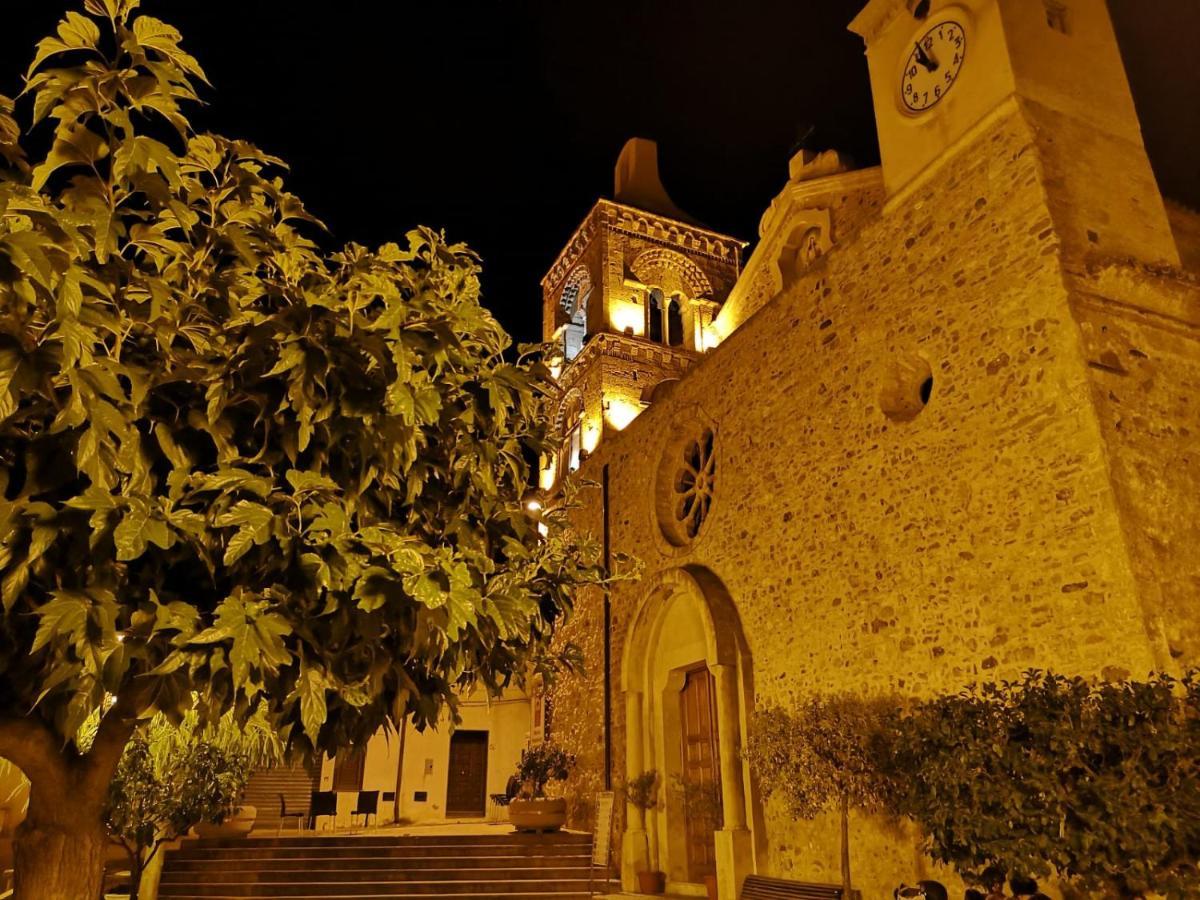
point(710, 885)
point(651, 882)
point(538, 815)
point(237, 825)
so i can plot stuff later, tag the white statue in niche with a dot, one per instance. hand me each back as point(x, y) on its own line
point(800, 252)
point(810, 247)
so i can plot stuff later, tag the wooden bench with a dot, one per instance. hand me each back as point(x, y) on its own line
point(759, 887)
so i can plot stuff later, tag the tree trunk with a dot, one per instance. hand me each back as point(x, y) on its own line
point(846, 895)
point(58, 851)
point(151, 875)
point(135, 874)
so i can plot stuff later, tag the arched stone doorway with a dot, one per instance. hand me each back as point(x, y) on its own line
point(687, 679)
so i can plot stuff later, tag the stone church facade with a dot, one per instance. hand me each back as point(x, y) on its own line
point(939, 427)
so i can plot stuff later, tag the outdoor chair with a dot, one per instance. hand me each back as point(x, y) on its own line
point(368, 805)
point(323, 803)
point(285, 814)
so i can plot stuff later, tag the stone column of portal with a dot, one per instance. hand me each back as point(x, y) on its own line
point(635, 849)
point(735, 849)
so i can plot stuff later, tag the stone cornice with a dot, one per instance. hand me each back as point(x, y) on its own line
point(853, 180)
point(876, 16)
point(622, 346)
point(658, 229)
point(572, 250)
point(800, 194)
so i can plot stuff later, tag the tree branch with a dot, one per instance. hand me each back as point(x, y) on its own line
point(112, 735)
point(31, 745)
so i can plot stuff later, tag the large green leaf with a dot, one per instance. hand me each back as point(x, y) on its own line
point(229, 450)
point(310, 692)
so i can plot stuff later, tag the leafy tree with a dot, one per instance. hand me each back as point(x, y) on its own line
point(701, 801)
point(642, 790)
point(233, 466)
point(539, 766)
point(174, 777)
point(1097, 784)
point(825, 754)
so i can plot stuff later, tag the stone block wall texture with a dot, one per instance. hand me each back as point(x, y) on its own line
point(1039, 512)
point(1185, 225)
point(850, 208)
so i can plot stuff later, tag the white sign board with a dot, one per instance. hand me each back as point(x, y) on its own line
point(602, 835)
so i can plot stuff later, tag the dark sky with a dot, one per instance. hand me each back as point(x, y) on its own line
point(500, 120)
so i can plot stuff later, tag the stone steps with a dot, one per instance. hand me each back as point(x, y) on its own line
point(508, 866)
point(262, 792)
point(348, 863)
point(504, 839)
point(377, 873)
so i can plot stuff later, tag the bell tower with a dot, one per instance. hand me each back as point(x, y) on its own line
point(942, 71)
point(630, 303)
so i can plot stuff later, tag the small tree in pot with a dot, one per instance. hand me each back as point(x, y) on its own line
point(641, 792)
point(825, 755)
point(531, 810)
point(173, 778)
point(701, 800)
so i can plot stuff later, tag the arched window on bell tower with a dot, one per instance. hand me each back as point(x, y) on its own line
point(654, 312)
point(572, 436)
point(675, 321)
point(575, 296)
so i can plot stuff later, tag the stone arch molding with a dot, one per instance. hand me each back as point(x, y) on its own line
point(671, 271)
point(576, 287)
point(571, 401)
point(651, 676)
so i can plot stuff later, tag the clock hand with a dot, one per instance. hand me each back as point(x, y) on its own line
point(925, 59)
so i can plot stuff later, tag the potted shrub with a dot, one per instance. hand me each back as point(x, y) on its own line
point(642, 792)
point(175, 778)
point(531, 809)
point(823, 757)
point(701, 802)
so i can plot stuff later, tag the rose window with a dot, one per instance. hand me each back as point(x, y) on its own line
point(693, 484)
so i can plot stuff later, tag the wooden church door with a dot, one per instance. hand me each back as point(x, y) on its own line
point(466, 789)
point(698, 718)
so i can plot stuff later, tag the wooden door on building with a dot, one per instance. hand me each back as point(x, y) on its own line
point(466, 786)
point(701, 773)
point(348, 770)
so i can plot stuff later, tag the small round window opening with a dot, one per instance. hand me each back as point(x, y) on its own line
point(907, 388)
point(694, 482)
point(686, 483)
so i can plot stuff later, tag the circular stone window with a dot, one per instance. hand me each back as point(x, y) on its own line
point(686, 480)
point(907, 387)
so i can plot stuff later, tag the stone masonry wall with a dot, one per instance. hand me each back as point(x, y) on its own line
point(863, 554)
point(1141, 333)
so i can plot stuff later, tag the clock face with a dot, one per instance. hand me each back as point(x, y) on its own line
point(933, 65)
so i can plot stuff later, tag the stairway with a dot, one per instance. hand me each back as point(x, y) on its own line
point(310, 867)
point(296, 783)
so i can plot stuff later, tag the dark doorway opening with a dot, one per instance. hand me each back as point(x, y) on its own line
point(348, 769)
point(466, 787)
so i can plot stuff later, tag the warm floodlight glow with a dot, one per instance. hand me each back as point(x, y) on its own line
point(591, 437)
point(534, 506)
point(627, 318)
point(621, 412)
point(710, 338)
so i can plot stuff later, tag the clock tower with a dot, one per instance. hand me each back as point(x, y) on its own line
point(944, 71)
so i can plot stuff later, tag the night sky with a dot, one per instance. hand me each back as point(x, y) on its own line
point(500, 120)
